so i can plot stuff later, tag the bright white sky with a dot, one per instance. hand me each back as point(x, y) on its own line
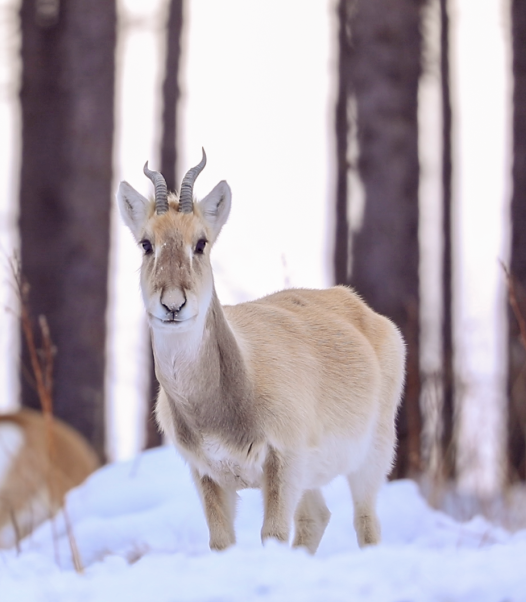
point(258, 95)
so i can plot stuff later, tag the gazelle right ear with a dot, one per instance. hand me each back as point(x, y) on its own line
point(215, 207)
point(134, 208)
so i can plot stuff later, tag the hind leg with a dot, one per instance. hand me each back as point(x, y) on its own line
point(364, 493)
point(311, 518)
point(365, 483)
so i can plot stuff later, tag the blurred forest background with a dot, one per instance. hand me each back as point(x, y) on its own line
point(389, 139)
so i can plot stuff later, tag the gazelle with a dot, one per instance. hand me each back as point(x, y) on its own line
point(39, 463)
point(283, 393)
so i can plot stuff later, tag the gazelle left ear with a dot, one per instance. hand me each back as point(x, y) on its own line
point(215, 207)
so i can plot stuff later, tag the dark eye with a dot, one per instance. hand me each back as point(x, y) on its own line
point(147, 246)
point(200, 246)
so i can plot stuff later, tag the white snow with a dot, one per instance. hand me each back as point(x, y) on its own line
point(142, 537)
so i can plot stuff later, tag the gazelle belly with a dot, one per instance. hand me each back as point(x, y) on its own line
point(333, 457)
point(317, 466)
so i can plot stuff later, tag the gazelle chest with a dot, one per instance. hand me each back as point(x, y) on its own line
point(241, 469)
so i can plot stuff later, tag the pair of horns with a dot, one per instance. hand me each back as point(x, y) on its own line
point(186, 202)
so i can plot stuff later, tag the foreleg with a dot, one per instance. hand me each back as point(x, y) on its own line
point(219, 505)
point(281, 492)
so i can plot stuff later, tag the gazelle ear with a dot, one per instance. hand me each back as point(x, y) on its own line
point(134, 208)
point(215, 207)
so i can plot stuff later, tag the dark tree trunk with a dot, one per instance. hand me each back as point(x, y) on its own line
point(448, 408)
point(67, 103)
point(343, 125)
point(171, 93)
point(153, 435)
point(517, 351)
point(384, 74)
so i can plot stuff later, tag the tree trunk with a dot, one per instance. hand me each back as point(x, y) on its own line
point(384, 74)
point(448, 408)
point(343, 125)
point(67, 96)
point(171, 93)
point(517, 350)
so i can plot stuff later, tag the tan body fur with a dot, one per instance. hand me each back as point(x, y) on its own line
point(32, 487)
point(284, 393)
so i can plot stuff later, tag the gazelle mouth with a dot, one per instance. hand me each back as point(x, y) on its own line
point(171, 322)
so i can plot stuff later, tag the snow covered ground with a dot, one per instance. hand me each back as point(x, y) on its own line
point(142, 537)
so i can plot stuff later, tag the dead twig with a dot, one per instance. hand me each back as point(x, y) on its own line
point(515, 305)
point(521, 321)
point(75, 554)
point(42, 362)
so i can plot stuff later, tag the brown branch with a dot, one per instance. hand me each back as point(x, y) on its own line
point(515, 305)
point(42, 367)
point(512, 295)
point(47, 376)
point(39, 372)
point(48, 353)
point(75, 554)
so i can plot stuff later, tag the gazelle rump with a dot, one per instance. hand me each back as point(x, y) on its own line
point(283, 393)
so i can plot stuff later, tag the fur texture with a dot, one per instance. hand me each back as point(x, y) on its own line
point(37, 472)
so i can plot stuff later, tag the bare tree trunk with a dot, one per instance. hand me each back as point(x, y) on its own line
point(67, 103)
point(171, 93)
point(448, 408)
point(517, 351)
point(342, 126)
point(384, 72)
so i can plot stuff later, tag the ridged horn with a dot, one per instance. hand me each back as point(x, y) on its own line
point(186, 202)
point(161, 190)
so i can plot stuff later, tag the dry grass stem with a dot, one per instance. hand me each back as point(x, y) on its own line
point(75, 554)
point(42, 361)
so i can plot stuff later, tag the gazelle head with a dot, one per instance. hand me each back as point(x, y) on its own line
point(175, 234)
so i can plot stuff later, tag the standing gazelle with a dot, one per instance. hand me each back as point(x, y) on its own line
point(283, 393)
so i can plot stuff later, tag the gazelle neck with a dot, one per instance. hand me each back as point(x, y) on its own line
point(197, 359)
point(204, 375)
